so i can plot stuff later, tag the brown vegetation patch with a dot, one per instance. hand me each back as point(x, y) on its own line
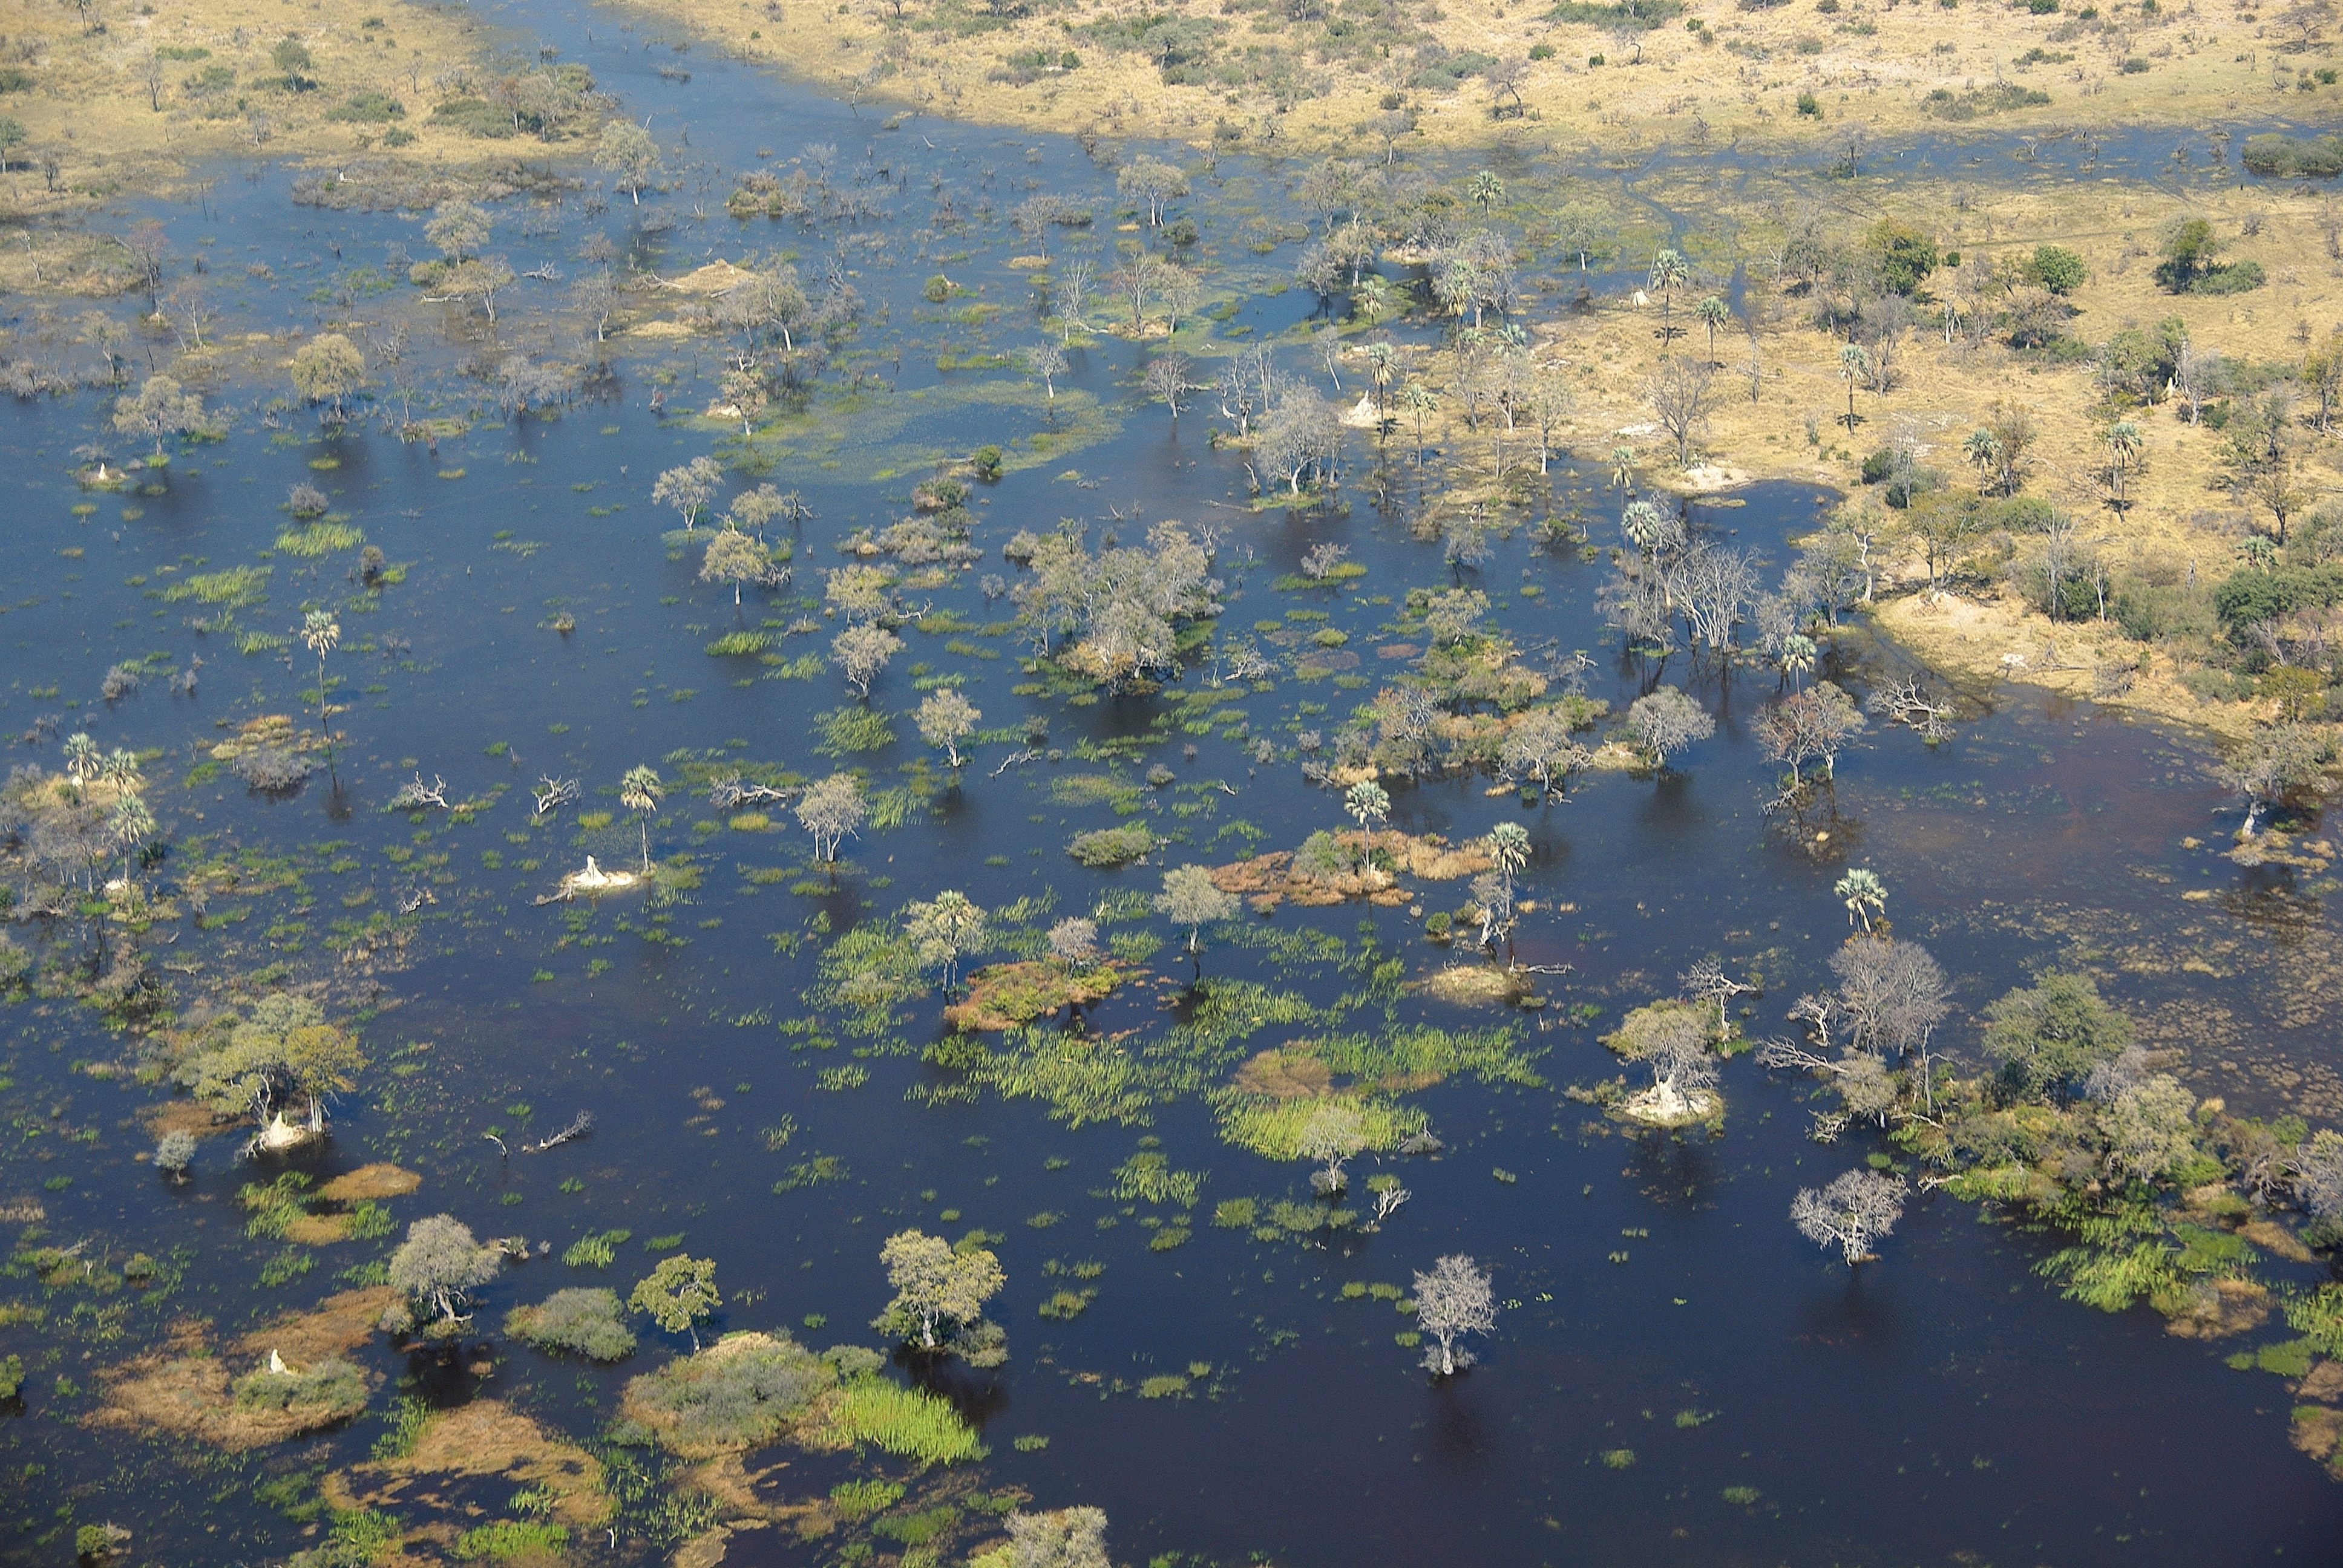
point(335, 1326)
point(184, 1115)
point(184, 1387)
point(2272, 1237)
point(1007, 995)
point(2316, 1429)
point(749, 1495)
point(1285, 1074)
point(1268, 880)
point(1471, 985)
point(2324, 1384)
point(2227, 1307)
point(378, 1180)
point(488, 1437)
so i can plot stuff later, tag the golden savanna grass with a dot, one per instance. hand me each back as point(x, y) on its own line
point(1741, 73)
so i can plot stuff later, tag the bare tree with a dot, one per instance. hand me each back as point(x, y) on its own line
point(1538, 745)
point(1455, 1298)
point(1808, 725)
point(1679, 394)
point(1708, 981)
point(1667, 721)
point(1854, 1211)
point(1166, 377)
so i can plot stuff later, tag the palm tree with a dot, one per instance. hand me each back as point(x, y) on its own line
point(1711, 313)
point(639, 791)
point(1670, 271)
point(321, 634)
point(1369, 802)
point(1623, 468)
point(1983, 448)
point(1865, 895)
point(1486, 188)
point(1854, 364)
point(1419, 400)
point(1798, 652)
point(83, 761)
point(2126, 442)
point(1383, 365)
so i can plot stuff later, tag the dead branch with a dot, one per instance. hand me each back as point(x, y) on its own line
point(727, 793)
point(1905, 703)
point(578, 1127)
point(551, 794)
point(1013, 760)
point(416, 794)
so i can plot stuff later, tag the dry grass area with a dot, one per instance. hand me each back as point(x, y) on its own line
point(133, 101)
point(486, 1437)
point(1312, 78)
point(378, 1180)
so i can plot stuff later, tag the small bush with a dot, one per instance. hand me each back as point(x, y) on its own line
point(738, 1393)
point(1110, 846)
point(272, 769)
point(586, 1321)
point(326, 1391)
point(369, 108)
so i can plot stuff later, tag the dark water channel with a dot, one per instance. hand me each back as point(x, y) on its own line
point(1943, 1405)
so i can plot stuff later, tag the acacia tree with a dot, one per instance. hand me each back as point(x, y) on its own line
point(457, 230)
point(832, 810)
point(1191, 898)
point(688, 488)
point(628, 153)
point(436, 1269)
point(160, 409)
point(1853, 1213)
point(327, 369)
point(943, 931)
point(2278, 763)
point(863, 653)
point(939, 1295)
point(678, 1294)
point(1454, 1298)
point(640, 791)
point(946, 718)
point(734, 558)
point(282, 1055)
point(1151, 183)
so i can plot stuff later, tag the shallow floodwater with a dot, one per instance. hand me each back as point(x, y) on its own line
point(1943, 1405)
